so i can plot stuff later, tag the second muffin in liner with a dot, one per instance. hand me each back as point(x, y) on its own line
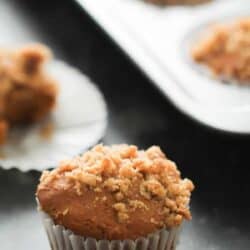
point(62, 239)
point(114, 197)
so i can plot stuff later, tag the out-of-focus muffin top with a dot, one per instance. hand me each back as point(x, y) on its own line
point(226, 50)
point(116, 192)
point(27, 92)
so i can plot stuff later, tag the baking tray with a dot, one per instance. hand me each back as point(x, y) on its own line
point(158, 40)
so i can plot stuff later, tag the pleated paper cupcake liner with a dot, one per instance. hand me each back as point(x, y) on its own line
point(61, 238)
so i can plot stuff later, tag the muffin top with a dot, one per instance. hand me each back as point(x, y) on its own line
point(116, 192)
point(225, 50)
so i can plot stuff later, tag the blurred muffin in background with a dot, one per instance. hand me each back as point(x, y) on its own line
point(27, 93)
point(177, 2)
point(226, 50)
point(4, 128)
point(116, 193)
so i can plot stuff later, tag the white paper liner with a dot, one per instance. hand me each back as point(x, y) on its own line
point(79, 121)
point(63, 239)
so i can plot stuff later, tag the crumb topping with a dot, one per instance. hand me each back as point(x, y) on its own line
point(137, 204)
point(65, 212)
point(121, 211)
point(226, 50)
point(129, 178)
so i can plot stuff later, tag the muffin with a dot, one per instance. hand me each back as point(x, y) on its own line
point(27, 93)
point(114, 194)
point(225, 51)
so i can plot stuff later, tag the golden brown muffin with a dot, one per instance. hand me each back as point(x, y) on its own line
point(116, 192)
point(226, 50)
point(27, 93)
point(177, 2)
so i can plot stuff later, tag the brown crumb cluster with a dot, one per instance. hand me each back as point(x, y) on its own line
point(27, 93)
point(226, 50)
point(177, 2)
point(124, 192)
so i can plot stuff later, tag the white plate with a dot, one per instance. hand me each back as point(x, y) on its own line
point(156, 39)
